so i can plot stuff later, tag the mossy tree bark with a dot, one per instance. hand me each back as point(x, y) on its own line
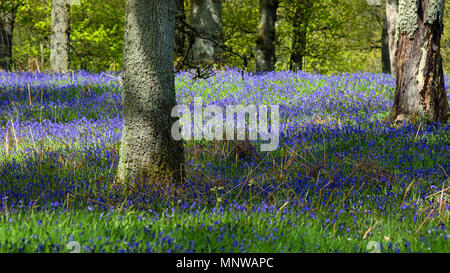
point(7, 18)
point(206, 19)
point(420, 92)
point(60, 36)
point(265, 41)
point(391, 25)
point(300, 27)
point(148, 153)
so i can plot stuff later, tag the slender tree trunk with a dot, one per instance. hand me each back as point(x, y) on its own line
point(265, 47)
point(420, 91)
point(180, 37)
point(206, 19)
point(300, 26)
point(385, 57)
point(60, 39)
point(6, 35)
point(147, 150)
point(391, 22)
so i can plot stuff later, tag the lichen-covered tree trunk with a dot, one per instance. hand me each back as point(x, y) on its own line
point(420, 92)
point(385, 57)
point(7, 19)
point(391, 24)
point(206, 19)
point(300, 26)
point(148, 153)
point(265, 41)
point(180, 37)
point(60, 37)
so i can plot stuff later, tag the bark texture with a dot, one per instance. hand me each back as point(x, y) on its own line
point(147, 150)
point(7, 19)
point(300, 27)
point(206, 19)
point(265, 47)
point(60, 37)
point(391, 24)
point(385, 55)
point(180, 37)
point(420, 91)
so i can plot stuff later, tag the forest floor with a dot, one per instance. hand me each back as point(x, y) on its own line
point(340, 181)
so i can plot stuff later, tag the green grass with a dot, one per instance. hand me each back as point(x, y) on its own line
point(206, 231)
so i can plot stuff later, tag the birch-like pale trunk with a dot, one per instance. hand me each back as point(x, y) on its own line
point(391, 25)
point(60, 36)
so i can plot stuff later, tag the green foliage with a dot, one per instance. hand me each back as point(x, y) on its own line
point(240, 21)
point(31, 35)
point(342, 35)
point(96, 35)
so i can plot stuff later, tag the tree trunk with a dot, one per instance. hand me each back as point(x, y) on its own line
point(180, 37)
point(420, 92)
point(265, 47)
point(300, 26)
point(206, 19)
point(60, 39)
point(147, 150)
point(385, 57)
point(6, 35)
point(391, 22)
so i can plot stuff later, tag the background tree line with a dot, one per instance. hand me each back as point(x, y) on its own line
point(324, 36)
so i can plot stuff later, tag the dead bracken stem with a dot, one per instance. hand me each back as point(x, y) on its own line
point(7, 143)
point(418, 130)
point(406, 192)
point(29, 95)
point(15, 136)
point(284, 205)
point(437, 206)
point(67, 202)
point(443, 170)
point(370, 228)
point(427, 219)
